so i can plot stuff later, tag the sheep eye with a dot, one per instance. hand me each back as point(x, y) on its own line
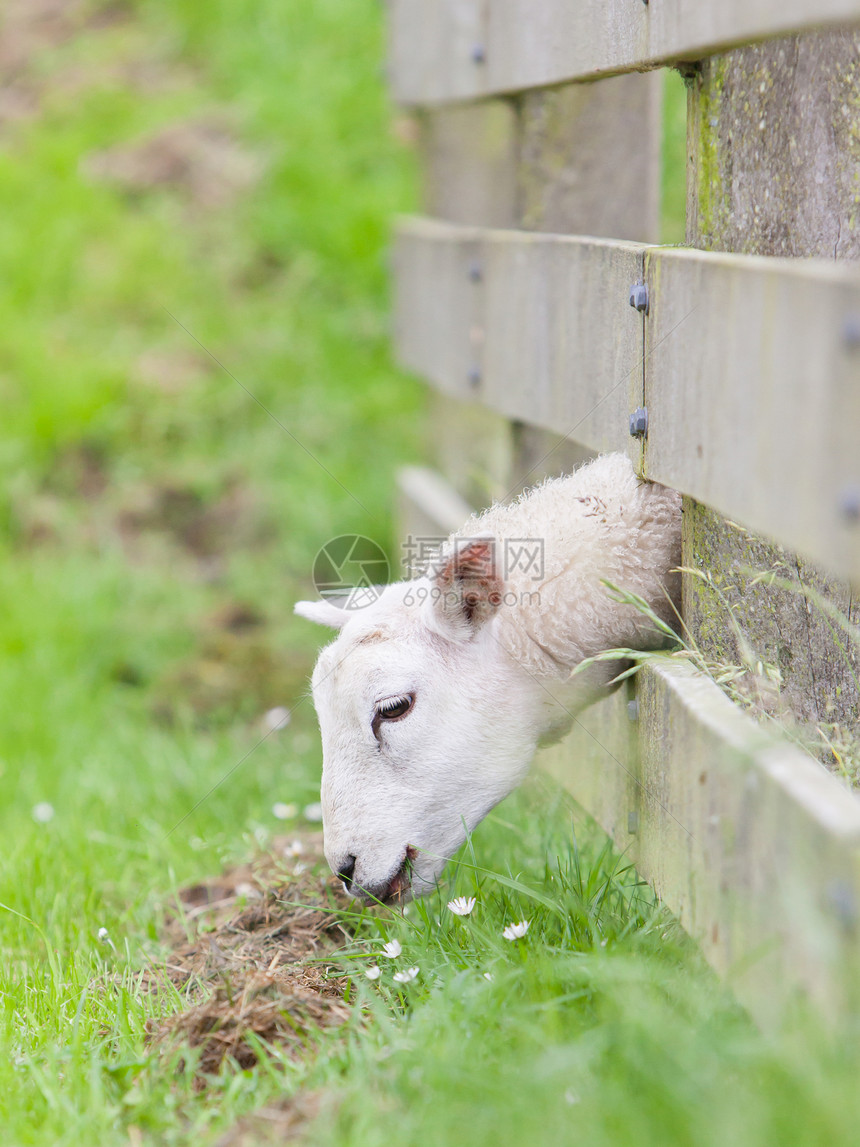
point(391, 709)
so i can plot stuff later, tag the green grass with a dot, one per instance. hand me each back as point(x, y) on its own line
point(600, 1026)
point(145, 493)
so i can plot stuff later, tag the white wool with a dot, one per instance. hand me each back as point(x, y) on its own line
point(600, 523)
point(485, 667)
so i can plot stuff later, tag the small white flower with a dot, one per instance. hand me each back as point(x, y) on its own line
point(516, 931)
point(488, 976)
point(296, 848)
point(281, 811)
point(248, 890)
point(372, 972)
point(277, 718)
point(43, 812)
point(393, 949)
point(300, 868)
point(103, 937)
point(405, 977)
point(313, 811)
point(462, 905)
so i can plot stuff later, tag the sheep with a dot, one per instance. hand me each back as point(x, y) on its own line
point(434, 697)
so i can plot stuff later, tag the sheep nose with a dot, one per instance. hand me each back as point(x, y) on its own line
point(346, 870)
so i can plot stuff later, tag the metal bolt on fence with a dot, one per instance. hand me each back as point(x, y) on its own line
point(639, 297)
point(639, 423)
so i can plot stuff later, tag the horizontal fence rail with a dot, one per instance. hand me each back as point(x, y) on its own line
point(448, 50)
point(752, 844)
point(749, 367)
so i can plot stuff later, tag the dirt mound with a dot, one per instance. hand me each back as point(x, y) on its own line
point(249, 948)
point(28, 28)
point(270, 1010)
point(201, 158)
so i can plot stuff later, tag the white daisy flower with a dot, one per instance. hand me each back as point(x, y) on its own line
point(277, 718)
point(462, 905)
point(405, 977)
point(281, 811)
point(43, 812)
point(296, 848)
point(393, 949)
point(372, 972)
point(516, 931)
point(103, 937)
point(313, 811)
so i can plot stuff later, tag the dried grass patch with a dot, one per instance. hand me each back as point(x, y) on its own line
point(248, 948)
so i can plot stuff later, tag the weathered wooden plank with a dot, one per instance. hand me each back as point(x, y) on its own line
point(472, 446)
point(752, 365)
point(736, 616)
point(470, 157)
point(540, 454)
point(589, 158)
point(774, 149)
point(751, 843)
point(536, 327)
point(773, 168)
point(753, 393)
point(443, 50)
point(588, 163)
point(580, 160)
point(598, 763)
point(438, 313)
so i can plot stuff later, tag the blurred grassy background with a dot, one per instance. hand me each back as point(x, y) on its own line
point(232, 165)
point(234, 169)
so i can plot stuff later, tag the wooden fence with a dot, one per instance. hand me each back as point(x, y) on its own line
point(541, 338)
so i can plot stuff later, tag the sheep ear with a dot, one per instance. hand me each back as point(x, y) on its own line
point(468, 588)
point(322, 612)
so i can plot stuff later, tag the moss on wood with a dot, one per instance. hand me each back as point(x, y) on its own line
point(775, 161)
point(774, 169)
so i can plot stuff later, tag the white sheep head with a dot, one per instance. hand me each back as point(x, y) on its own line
point(426, 723)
